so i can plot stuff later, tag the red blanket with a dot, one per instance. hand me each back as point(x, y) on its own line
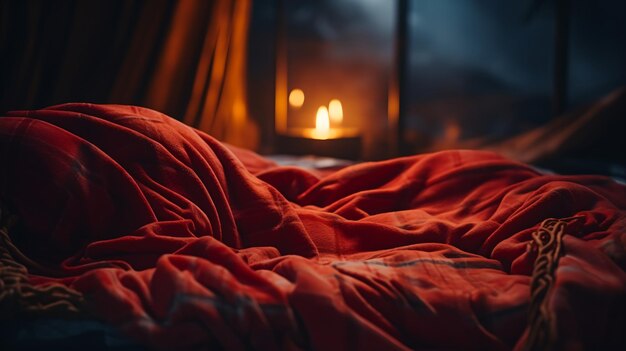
point(184, 243)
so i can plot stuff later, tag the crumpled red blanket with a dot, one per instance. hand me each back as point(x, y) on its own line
point(184, 243)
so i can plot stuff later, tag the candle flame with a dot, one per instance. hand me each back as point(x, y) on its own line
point(296, 98)
point(322, 123)
point(335, 111)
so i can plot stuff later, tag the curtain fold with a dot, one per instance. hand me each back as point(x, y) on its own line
point(216, 102)
point(184, 58)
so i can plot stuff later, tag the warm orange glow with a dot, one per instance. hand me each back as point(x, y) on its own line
point(296, 98)
point(322, 124)
point(335, 111)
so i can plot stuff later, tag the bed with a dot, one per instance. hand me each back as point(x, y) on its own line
point(123, 228)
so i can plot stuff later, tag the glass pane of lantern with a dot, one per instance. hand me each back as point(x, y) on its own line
point(337, 55)
point(479, 71)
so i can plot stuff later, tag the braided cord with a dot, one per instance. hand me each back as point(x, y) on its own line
point(548, 242)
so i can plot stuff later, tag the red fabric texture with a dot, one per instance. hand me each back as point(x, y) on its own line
point(184, 243)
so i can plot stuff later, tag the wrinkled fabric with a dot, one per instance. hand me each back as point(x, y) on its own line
point(183, 242)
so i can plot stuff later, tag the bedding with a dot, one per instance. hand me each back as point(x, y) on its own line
point(125, 216)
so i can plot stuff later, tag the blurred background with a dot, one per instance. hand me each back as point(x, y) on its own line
point(540, 81)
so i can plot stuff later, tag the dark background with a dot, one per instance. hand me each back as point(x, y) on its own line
point(478, 71)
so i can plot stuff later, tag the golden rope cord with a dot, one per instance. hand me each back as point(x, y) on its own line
point(548, 242)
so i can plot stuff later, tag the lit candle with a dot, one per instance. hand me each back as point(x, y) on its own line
point(335, 111)
point(327, 138)
point(322, 124)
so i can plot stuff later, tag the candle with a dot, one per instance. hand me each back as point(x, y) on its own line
point(327, 138)
point(322, 124)
point(335, 111)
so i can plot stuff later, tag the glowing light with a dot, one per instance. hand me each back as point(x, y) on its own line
point(322, 123)
point(296, 98)
point(335, 111)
